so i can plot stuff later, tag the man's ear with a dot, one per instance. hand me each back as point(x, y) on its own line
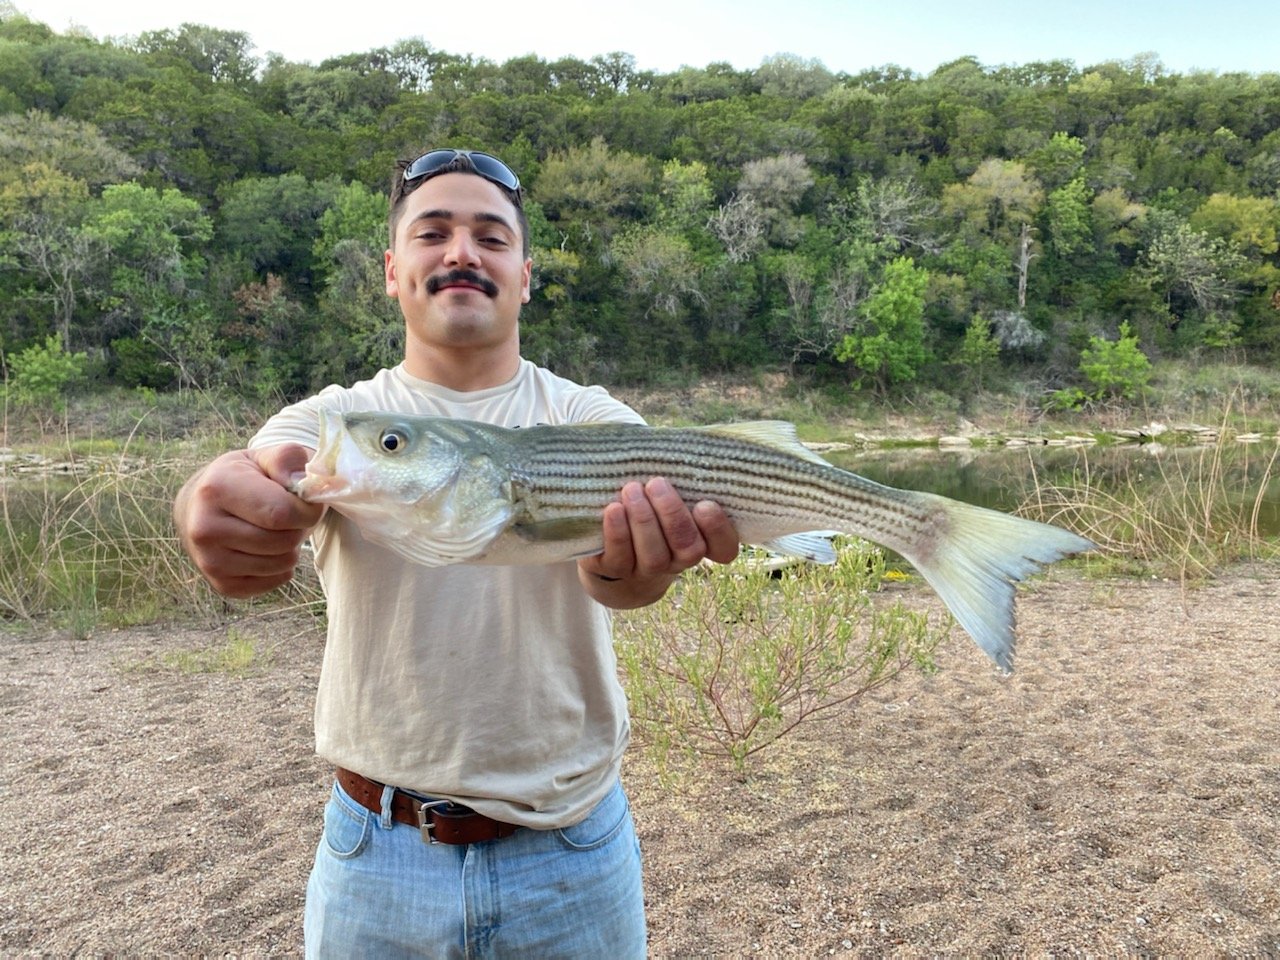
point(389, 270)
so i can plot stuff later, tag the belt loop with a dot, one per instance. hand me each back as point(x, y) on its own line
point(388, 792)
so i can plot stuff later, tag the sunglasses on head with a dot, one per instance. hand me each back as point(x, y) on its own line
point(491, 168)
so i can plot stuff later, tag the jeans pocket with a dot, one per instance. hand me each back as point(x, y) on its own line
point(601, 825)
point(347, 826)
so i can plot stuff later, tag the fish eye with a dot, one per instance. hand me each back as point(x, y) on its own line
point(393, 441)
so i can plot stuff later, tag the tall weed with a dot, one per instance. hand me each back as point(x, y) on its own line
point(93, 543)
point(1183, 513)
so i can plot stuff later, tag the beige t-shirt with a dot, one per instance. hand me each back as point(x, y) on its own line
point(495, 687)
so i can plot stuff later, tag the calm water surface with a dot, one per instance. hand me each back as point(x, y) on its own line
point(1004, 478)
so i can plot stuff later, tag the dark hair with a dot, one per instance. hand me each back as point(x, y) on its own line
point(401, 188)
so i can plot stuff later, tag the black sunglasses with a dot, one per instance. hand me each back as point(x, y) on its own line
point(491, 168)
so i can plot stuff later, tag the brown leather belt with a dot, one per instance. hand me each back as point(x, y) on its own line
point(441, 821)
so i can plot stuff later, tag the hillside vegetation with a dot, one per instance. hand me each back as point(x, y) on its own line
point(177, 212)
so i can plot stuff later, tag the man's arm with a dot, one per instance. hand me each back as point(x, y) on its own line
point(650, 537)
point(239, 523)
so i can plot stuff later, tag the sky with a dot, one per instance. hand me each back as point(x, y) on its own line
point(1218, 35)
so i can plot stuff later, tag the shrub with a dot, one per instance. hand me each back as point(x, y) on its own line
point(733, 659)
point(1116, 368)
point(41, 374)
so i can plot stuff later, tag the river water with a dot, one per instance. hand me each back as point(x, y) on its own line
point(1004, 478)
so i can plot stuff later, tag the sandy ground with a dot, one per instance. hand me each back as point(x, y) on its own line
point(1120, 794)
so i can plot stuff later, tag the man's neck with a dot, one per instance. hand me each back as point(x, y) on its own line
point(464, 370)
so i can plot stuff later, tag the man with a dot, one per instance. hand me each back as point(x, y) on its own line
point(479, 702)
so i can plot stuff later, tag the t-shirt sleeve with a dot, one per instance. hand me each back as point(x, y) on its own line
point(300, 422)
point(597, 405)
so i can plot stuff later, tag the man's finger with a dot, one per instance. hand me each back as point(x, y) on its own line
point(281, 509)
point(681, 535)
point(648, 539)
point(618, 558)
point(718, 531)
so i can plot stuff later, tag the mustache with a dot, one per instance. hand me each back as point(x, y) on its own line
point(437, 283)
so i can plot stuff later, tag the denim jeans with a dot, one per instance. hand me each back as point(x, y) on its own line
point(378, 891)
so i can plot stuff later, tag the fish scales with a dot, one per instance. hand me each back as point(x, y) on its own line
point(573, 472)
point(441, 491)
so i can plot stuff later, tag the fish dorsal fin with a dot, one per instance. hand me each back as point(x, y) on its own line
point(778, 434)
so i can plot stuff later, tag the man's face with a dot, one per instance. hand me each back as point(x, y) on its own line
point(457, 268)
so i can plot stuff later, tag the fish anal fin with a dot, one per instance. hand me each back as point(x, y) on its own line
point(814, 546)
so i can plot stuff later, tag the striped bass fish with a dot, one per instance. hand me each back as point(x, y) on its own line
point(439, 491)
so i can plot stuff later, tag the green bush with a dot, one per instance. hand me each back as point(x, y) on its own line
point(41, 374)
point(138, 364)
point(1116, 368)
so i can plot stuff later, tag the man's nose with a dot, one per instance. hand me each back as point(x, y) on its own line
point(462, 249)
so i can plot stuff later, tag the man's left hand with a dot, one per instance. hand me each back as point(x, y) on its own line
point(650, 537)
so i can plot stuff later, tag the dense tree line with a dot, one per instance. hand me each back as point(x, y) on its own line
point(184, 213)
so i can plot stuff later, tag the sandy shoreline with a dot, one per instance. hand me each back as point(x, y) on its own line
point(1119, 794)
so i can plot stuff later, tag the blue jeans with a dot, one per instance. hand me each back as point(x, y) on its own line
point(378, 891)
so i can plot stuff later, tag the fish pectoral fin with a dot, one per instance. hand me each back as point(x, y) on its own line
point(814, 545)
point(562, 528)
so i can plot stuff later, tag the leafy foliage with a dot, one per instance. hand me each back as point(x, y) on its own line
point(42, 373)
point(1116, 368)
point(889, 344)
point(703, 220)
point(735, 659)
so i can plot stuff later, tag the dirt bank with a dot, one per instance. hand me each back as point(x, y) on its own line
point(1120, 793)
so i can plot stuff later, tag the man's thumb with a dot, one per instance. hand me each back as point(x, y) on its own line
point(284, 463)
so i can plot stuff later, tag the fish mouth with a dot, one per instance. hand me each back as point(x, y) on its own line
point(462, 280)
point(315, 488)
point(321, 482)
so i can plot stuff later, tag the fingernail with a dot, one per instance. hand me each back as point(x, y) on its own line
point(659, 487)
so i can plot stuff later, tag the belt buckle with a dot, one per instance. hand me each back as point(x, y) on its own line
point(426, 822)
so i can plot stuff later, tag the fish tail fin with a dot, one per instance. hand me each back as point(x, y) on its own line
point(974, 567)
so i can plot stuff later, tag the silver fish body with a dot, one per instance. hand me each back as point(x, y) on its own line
point(440, 491)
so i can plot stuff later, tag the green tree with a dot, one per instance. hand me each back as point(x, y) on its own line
point(221, 55)
point(776, 185)
point(74, 148)
point(1059, 161)
point(888, 345)
point(594, 186)
point(50, 261)
point(360, 328)
point(979, 353)
point(1115, 368)
point(684, 196)
point(1067, 213)
point(1191, 269)
point(149, 285)
point(272, 225)
point(1250, 225)
point(792, 77)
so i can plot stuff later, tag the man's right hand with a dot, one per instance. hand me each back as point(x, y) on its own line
point(240, 524)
